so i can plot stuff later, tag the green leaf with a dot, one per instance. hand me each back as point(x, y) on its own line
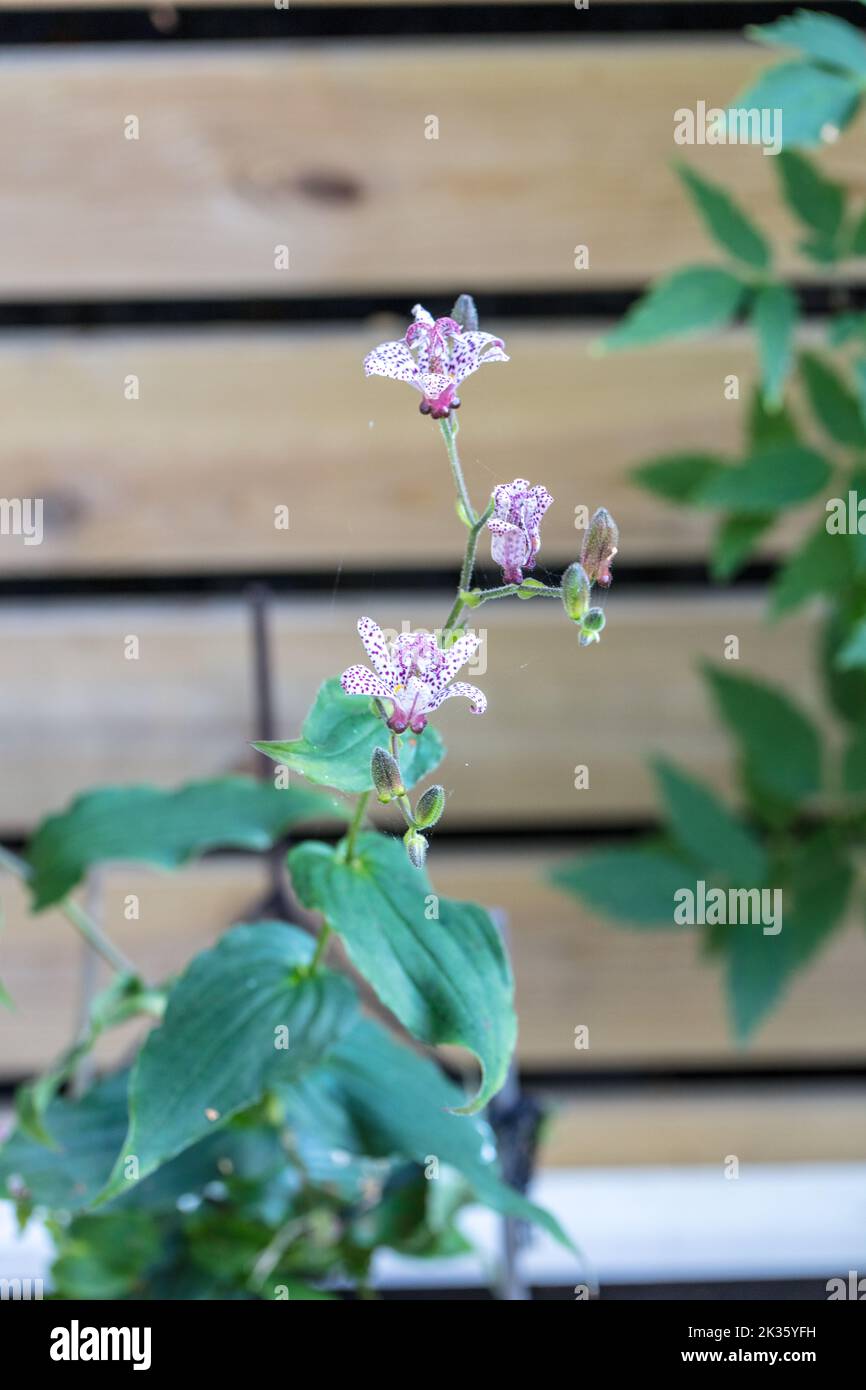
point(725, 220)
point(380, 1098)
point(810, 99)
point(857, 244)
point(735, 541)
point(822, 564)
point(781, 477)
point(222, 1044)
point(817, 201)
point(846, 327)
point(845, 689)
point(338, 739)
point(774, 317)
point(860, 379)
point(766, 429)
point(635, 886)
point(707, 830)
point(822, 37)
point(105, 1256)
point(162, 827)
point(688, 301)
point(761, 967)
point(678, 477)
point(779, 746)
point(446, 978)
point(852, 654)
point(833, 403)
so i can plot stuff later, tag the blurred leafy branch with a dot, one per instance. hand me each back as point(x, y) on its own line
point(802, 818)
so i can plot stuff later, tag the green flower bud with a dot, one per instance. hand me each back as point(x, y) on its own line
point(592, 627)
point(575, 592)
point(430, 807)
point(465, 313)
point(416, 847)
point(385, 772)
point(599, 547)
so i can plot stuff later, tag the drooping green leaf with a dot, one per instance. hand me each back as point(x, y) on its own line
point(688, 301)
point(854, 766)
point(817, 201)
point(725, 220)
point(707, 830)
point(761, 965)
point(822, 37)
point(387, 1100)
point(338, 739)
point(163, 827)
point(445, 977)
point(243, 1016)
point(633, 886)
point(678, 477)
point(779, 745)
point(774, 316)
point(767, 482)
point(811, 99)
point(820, 565)
point(833, 403)
point(735, 540)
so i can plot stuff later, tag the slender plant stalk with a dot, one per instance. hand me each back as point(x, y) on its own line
point(75, 914)
point(448, 426)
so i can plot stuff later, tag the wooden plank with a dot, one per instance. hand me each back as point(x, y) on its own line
point(322, 148)
point(230, 424)
point(645, 997)
point(83, 714)
point(790, 1122)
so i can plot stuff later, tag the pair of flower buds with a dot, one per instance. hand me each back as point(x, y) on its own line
point(388, 781)
point(593, 567)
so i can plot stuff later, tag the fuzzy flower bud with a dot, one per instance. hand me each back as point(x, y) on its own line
point(430, 807)
point(591, 627)
point(599, 547)
point(385, 772)
point(416, 848)
point(575, 592)
point(465, 313)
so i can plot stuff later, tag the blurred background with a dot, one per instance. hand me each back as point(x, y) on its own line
point(164, 387)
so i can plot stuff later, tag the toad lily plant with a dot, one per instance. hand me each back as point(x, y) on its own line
point(264, 1115)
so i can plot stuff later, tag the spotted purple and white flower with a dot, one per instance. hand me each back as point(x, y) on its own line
point(413, 674)
point(515, 527)
point(434, 356)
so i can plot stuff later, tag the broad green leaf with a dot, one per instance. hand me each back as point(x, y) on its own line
point(846, 690)
point(774, 316)
point(854, 767)
point(243, 1016)
point(688, 301)
point(852, 655)
point(822, 37)
point(735, 540)
point(821, 565)
point(162, 827)
point(817, 201)
point(338, 739)
point(766, 429)
point(779, 746)
point(707, 830)
point(634, 886)
point(105, 1256)
point(860, 379)
point(445, 977)
point(678, 477)
point(811, 99)
point(833, 403)
point(781, 477)
point(725, 220)
point(761, 967)
point(857, 244)
point(380, 1098)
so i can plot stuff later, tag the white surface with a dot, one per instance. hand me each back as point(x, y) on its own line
point(636, 1225)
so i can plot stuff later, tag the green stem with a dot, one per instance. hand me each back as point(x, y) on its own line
point(321, 946)
point(505, 590)
point(77, 916)
point(448, 427)
point(355, 826)
point(468, 566)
